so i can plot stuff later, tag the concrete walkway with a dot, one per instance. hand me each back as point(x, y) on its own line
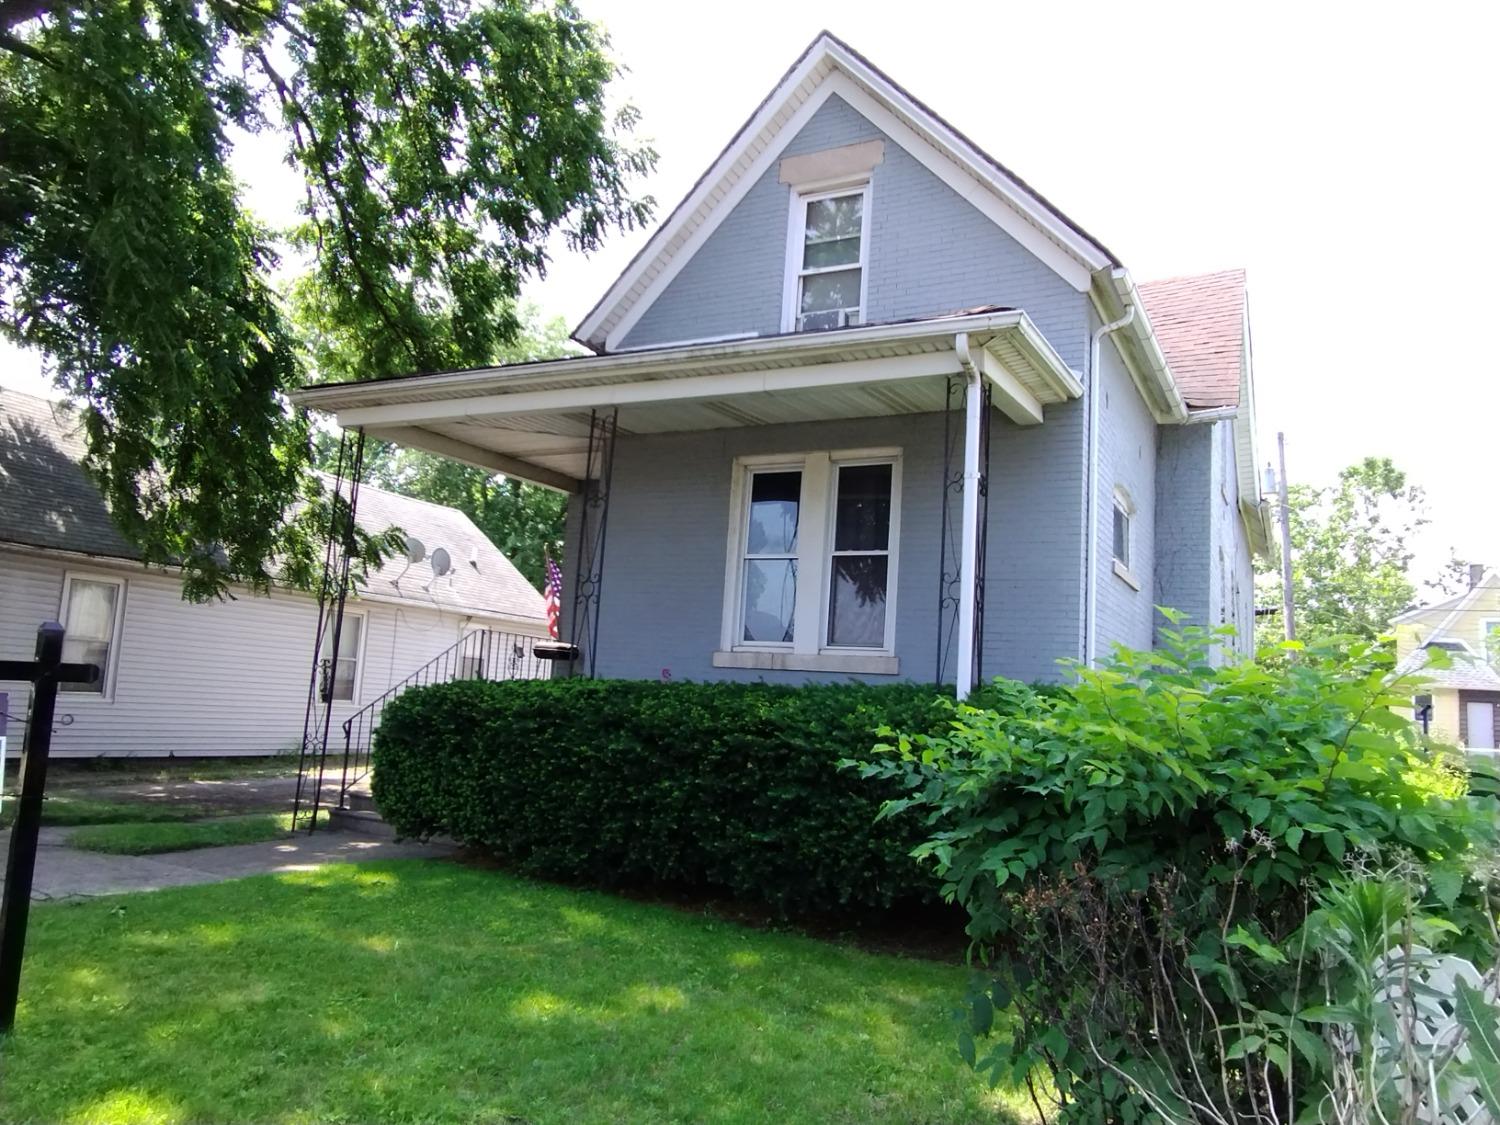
point(63, 872)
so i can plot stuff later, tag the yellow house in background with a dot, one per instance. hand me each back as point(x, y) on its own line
point(1465, 696)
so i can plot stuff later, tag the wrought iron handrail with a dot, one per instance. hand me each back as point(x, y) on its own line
point(484, 654)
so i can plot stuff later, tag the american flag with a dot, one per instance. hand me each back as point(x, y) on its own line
point(553, 589)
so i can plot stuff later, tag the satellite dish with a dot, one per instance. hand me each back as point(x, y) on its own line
point(441, 563)
point(416, 550)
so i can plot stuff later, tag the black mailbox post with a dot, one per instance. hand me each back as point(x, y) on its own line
point(45, 673)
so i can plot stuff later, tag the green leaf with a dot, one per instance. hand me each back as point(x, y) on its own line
point(981, 1014)
point(1447, 883)
point(1256, 942)
point(1334, 842)
point(1480, 1020)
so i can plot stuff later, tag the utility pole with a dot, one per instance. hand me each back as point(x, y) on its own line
point(1287, 620)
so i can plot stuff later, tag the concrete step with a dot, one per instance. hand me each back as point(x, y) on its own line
point(360, 800)
point(365, 822)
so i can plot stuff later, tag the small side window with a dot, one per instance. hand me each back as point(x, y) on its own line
point(1124, 512)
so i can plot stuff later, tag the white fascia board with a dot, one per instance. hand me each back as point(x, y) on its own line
point(1155, 382)
point(796, 348)
point(848, 373)
point(975, 184)
point(719, 206)
point(956, 162)
point(1039, 350)
point(706, 193)
point(1010, 397)
point(938, 134)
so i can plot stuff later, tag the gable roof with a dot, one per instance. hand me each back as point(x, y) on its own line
point(1452, 609)
point(482, 580)
point(1465, 671)
point(830, 66)
point(1200, 323)
point(47, 501)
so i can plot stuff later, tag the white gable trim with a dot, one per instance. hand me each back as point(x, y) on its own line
point(827, 69)
point(1004, 209)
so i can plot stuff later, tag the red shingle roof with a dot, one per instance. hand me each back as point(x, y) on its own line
point(1200, 324)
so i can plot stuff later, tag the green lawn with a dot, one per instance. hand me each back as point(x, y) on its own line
point(428, 992)
point(63, 810)
point(149, 839)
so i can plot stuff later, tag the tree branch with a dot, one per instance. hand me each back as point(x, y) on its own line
point(26, 50)
point(13, 12)
point(345, 220)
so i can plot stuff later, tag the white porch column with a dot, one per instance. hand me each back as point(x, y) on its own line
point(968, 566)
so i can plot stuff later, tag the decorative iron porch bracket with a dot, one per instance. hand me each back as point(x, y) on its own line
point(593, 528)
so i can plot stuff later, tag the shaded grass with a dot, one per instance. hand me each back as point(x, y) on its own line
point(415, 991)
point(121, 771)
point(63, 810)
point(149, 839)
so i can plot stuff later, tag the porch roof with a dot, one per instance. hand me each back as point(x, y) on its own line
point(531, 420)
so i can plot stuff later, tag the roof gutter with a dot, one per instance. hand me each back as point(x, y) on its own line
point(801, 347)
point(1091, 482)
point(1169, 405)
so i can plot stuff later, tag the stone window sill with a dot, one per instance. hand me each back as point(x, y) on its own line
point(1122, 572)
point(858, 663)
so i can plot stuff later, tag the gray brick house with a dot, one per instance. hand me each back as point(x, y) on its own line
point(867, 405)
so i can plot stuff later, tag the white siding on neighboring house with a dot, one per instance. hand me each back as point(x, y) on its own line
point(223, 677)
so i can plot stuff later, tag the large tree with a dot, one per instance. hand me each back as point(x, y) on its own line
point(523, 520)
point(1351, 552)
point(442, 143)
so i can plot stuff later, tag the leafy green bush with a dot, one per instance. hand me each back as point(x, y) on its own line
point(1135, 851)
point(714, 785)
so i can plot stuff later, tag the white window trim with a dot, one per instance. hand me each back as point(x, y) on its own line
point(359, 657)
point(796, 225)
point(106, 692)
point(1123, 504)
point(809, 649)
point(1486, 624)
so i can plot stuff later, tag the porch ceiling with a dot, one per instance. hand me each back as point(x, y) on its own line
point(532, 421)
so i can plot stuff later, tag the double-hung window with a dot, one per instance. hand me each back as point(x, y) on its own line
point(341, 676)
point(769, 576)
point(827, 247)
point(812, 559)
point(91, 619)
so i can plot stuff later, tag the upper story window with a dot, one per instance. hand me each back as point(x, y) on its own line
point(826, 256)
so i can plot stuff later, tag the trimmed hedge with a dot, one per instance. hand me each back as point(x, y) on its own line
point(726, 786)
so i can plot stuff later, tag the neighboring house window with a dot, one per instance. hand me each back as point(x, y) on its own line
point(341, 677)
point(813, 553)
point(91, 617)
point(826, 253)
point(1489, 639)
